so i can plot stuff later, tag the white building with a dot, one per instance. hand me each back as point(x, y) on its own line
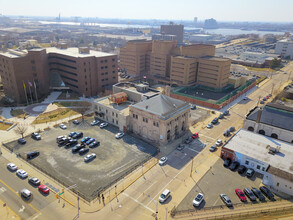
point(268, 156)
point(284, 48)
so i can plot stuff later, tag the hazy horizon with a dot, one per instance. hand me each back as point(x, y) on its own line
point(224, 11)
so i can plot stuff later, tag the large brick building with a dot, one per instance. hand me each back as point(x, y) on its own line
point(169, 63)
point(85, 72)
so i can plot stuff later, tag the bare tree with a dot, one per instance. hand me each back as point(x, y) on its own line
point(82, 110)
point(21, 129)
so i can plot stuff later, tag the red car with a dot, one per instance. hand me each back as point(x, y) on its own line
point(267, 97)
point(44, 189)
point(240, 194)
point(195, 135)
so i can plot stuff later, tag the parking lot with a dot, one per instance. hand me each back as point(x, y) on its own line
point(115, 157)
point(216, 181)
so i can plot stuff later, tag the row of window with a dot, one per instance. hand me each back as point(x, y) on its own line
point(61, 58)
point(60, 64)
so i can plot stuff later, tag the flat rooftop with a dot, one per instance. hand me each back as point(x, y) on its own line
point(131, 87)
point(215, 58)
point(254, 145)
point(123, 107)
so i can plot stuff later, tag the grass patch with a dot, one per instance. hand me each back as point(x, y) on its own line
point(260, 69)
point(4, 126)
point(54, 115)
point(259, 80)
point(19, 113)
point(73, 104)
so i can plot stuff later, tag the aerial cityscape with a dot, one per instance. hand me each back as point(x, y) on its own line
point(145, 110)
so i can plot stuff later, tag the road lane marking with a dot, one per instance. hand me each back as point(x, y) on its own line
point(2, 190)
point(124, 193)
point(147, 189)
point(21, 209)
point(16, 193)
point(194, 150)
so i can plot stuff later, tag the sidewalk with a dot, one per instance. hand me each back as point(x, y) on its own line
point(6, 213)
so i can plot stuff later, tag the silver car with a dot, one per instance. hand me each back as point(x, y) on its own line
point(12, 166)
point(25, 193)
point(89, 157)
point(21, 173)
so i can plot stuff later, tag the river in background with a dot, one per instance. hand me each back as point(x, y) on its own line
point(221, 31)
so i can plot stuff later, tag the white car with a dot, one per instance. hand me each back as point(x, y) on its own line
point(21, 173)
point(96, 122)
point(198, 199)
point(104, 124)
point(210, 125)
point(163, 160)
point(219, 142)
point(62, 126)
point(119, 135)
point(12, 166)
point(90, 157)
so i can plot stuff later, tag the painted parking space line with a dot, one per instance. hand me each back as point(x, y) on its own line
point(138, 202)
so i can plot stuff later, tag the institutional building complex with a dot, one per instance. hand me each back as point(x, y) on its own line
point(165, 61)
point(31, 74)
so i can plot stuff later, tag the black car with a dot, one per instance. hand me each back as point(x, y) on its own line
point(72, 133)
point(234, 166)
point(188, 140)
point(267, 192)
point(34, 181)
point(36, 136)
point(258, 194)
point(21, 141)
point(221, 116)
point(226, 112)
point(77, 148)
point(215, 121)
point(249, 194)
point(226, 133)
point(227, 162)
point(71, 142)
point(193, 107)
point(75, 122)
point(231, 129)
point(94, 144)
point(241, 169)
point(32, 154)
point(83, 151)
point(77, 135)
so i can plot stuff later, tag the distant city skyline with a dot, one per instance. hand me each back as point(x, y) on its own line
point(225, 10)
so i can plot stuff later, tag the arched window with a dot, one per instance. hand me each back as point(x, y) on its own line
point(250, 129)
point(273, 135)
point(168, 134)
point(262, 132)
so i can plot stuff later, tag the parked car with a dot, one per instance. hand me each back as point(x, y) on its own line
point(249, 172)
point(241, 169)
point(249, 194)
point(44, 189)
point(77, 135)
point(77, 147)
point(234, 166)
point(219, 142)
point(95, 122)
point(267, 192)
point(226, 133)
point(36, 136)
point(231, 129)
point(83, 151)
point(89, 157)
point(193, 107)
point(195, 135)
point(21, 141)
point(164, 196)
point(258, 194)
point(262, 102)
point(221, 116)
point(180, 147)
point(163, 160)
point(226, 112)
point(227, 162)
point(198, 199)
point(245, 98)
point(71, 134)
point(34, 181)
point(119, 135)
point(21, 173)
point(71, 142)
point(210, 125)
point(226, 200)
point(213, 148)
point(264, 99)
point(85, 139)
point(75, 122)
point(215, 121)
point(59, 138)
point(94, 144)
point(241, 195)
point(25, 193)
point(63, 126)
point(32, 154)
point(12, 167)
point(90, 141)
point(103, 125)
point(188, 140)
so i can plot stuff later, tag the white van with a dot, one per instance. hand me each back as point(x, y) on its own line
point(164, 196)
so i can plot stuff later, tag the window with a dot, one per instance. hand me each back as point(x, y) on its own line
point(247, 162)
point(113, 60)
point(278, 184)
point(113, 114)
point(116, 115)
point(106, 111)
point(136, 116)
point(133, 115)
point(263, 169)
point(117, 122)
point(113, 120)
point(258, 167)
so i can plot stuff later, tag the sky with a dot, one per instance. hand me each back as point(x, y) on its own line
point(221, 10)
